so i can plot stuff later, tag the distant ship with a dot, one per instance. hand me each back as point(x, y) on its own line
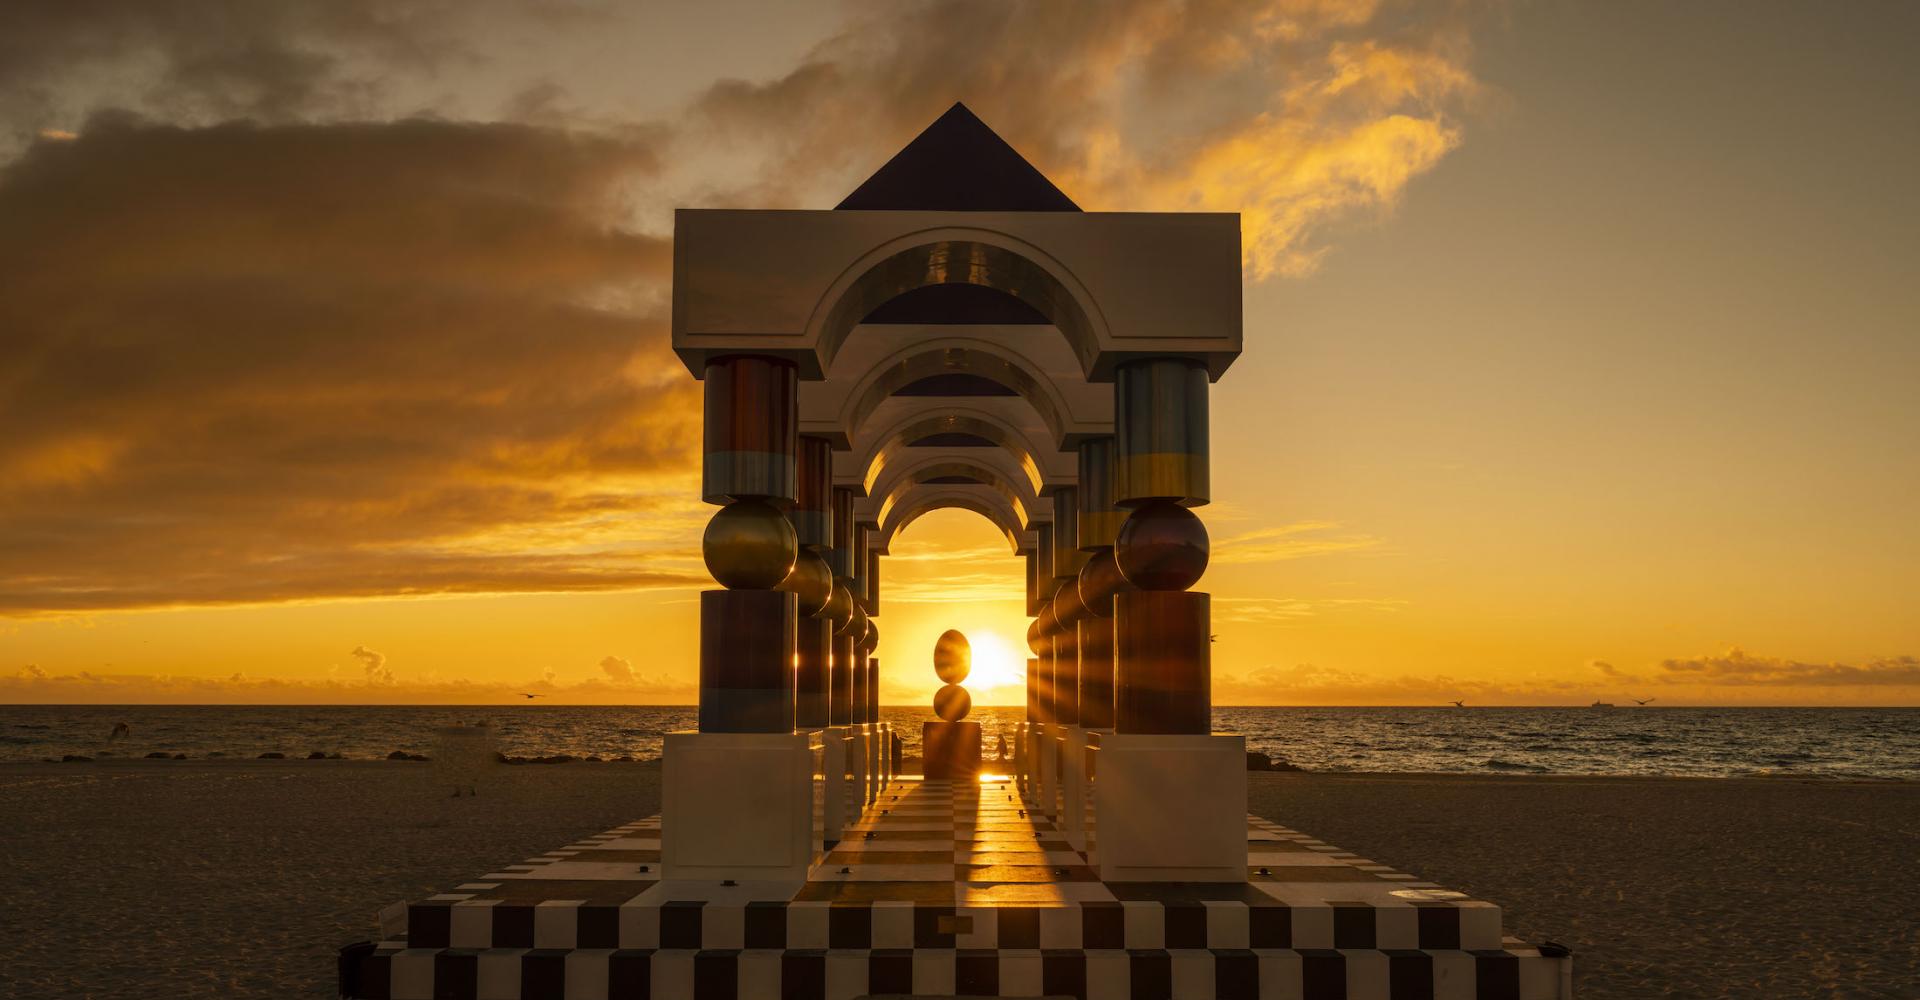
point(1601, 704)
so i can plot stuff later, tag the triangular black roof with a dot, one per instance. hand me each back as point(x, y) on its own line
point(958, 165)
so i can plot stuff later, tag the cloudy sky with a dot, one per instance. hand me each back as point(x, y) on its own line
point(1581, 353)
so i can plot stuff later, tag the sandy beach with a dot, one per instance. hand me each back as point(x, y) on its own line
point(240, 878)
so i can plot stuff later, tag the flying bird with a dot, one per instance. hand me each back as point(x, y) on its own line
point(1638, 701)
point(1459, 704)
point(523, 694)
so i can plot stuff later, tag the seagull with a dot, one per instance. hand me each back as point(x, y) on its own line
point(525, 695)
point(1459, 704)
point(1638, 701)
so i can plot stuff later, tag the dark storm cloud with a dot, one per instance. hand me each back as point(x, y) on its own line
point(261, 363)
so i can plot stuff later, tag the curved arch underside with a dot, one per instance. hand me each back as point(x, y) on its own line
point(926, 499)
point(897, 442)
point(990, 468)
point(970, 260)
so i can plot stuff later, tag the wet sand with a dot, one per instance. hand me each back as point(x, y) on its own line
point(240, 878)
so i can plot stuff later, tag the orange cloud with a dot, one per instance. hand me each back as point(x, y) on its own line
point(330, 361)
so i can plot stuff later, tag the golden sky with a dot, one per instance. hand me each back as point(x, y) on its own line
point(1580, 360)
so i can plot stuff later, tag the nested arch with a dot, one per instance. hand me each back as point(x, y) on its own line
point(891, 444)
point(926, 499)
point(957, 355)
point(956, 255)
point(993, 470)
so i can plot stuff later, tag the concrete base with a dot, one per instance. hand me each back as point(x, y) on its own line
point(1046, 766)
point(1074, 786)
point(858, 743)
point(760, 828)
point(836, 793)
point(1171, 808)
point(1021, 737)
point(950, 750)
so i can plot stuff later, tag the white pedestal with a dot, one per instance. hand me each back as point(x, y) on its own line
point(1172, 808)
point(1021, 736)
point(737, 806)
point(876, 740)
point(1047, 750)
point(836, 808)
point(1073, 786)
point(859, 740)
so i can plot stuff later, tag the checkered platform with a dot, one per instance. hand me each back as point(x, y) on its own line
point(950, 888)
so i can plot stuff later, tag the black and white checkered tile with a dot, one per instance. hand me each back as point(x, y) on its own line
point(949, 888)
point(844, 974)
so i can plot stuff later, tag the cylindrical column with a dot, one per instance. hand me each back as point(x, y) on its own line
point(1068, 611)
point(840, 685)
point(857, 660)
point(1161, 644)
point(752, 430)
point(1040, 668)
point(1100, 517)
point(812, 583)
point(1033, 581)
point(1099, 581)
point(1160, 432)
point(1162, 650)
point(812, 513)
point(747, 631)
point(841, 519)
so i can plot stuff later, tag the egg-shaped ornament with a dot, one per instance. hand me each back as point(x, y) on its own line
point(952, 657)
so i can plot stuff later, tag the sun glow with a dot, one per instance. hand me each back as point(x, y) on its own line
point(995, 665)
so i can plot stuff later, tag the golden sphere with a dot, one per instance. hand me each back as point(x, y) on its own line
point(1099, 580)
point(856, 627)
point(749, 546)
point(1037, 638)
point(839, 608)
point(811, 581)
point(952, 703)
point(1162, 546)
point(872, 641)
point(1067, 607)
point(952, 657)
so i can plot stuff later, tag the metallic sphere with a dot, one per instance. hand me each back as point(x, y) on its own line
point(872, 640)
point(749, 546)
point(811, 581)
point(1037, 638)
point(839, 609)
point(856, 627)
point(1067, 607)
point(1162, 546)
point(1100, 579)
point(952, 703)
point(952, 657)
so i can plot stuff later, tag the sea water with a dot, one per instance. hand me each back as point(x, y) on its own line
point(1706, 742)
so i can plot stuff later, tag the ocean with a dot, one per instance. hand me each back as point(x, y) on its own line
point(1704, 742)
